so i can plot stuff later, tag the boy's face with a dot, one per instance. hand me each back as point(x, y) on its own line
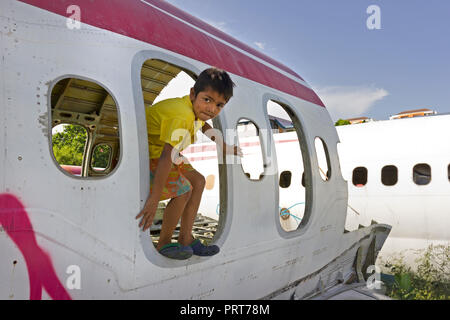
point(207, 104)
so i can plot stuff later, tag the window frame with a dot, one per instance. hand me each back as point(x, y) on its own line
point(263, 151)
point(327, 174)
point(226, 215)
point(286, 172)
point(396, 177)
point(412, 176)
point(50, 126)
point(109, 159)
point(305, 148)
point(353, 177)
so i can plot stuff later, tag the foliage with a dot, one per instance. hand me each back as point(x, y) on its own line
point(101, 156)
point(341, 122)
point(66, 155)
point(68, 145)
point(430, 280)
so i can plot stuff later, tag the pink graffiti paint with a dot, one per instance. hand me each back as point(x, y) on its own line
point(17, 225)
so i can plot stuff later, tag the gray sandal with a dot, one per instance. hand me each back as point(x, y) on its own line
point(200, 249)
point(176, 251)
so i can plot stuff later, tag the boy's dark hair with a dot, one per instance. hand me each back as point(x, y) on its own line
point(216, 79)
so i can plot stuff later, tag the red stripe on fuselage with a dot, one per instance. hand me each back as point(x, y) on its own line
point(141, 21)
point(164, 5)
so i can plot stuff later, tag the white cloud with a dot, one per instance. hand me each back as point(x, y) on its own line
point(260, 45)
point(222, 26)
point(349, 102)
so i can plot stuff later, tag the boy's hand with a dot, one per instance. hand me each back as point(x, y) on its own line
point(147, 214)
point(236, 150)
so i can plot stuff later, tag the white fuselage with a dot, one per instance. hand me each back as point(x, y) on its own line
point(77, 237)
point(419, 214)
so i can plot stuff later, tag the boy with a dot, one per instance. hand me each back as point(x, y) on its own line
point(172, 125)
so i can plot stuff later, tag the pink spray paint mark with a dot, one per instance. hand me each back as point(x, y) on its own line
point(17, 225)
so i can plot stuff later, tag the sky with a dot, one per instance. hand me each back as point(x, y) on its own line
point(360, 62)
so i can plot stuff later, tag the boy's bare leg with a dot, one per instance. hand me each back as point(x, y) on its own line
point(191, 209)
point(172, 215)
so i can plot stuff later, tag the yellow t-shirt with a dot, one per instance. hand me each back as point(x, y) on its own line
point(171, 121)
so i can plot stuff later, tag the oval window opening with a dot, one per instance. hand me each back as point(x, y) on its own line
point(422, 174)
point(289, 156)
point(389, 175)
point(323, 159)
point(101, 157)
point(252, 161)
point(162, 80)
point(285, 179)
point(359, 177)
point(68, 143)
point(84, 116)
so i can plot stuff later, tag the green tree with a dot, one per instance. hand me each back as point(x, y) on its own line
point(68, 145)
point(342, 122)
point(101, 156)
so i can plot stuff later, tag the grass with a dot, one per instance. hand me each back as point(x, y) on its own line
point(430, 280)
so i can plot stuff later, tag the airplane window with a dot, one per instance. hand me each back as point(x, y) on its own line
point(285, 179)
point(359, 176)
point(389, 175)
point(161, 80)
point(422, 174)
point(323, 158)
point(286, 132)
point(101, 157)
point(68, 142)
point(84, 116)
point(249, 138)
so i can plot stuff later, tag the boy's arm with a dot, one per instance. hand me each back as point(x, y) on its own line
point(161, 174)
point(226, 148)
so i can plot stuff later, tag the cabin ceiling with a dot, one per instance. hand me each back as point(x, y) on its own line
point(86, 103)
point(155, 75)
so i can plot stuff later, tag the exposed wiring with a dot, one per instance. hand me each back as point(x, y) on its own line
point(285, 212)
